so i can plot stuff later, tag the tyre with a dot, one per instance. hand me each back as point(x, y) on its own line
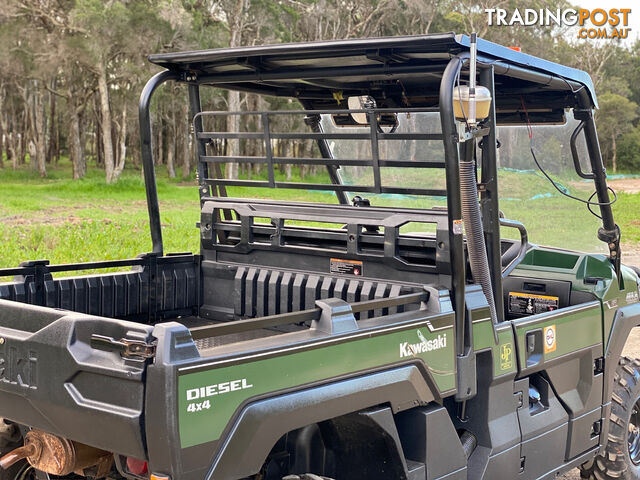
point(621, 459)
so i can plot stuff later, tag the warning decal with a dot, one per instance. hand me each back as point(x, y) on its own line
point(345, 267)
point(530, 304)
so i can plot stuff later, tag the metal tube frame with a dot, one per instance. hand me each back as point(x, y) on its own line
point(146, 151)
point(454, 201)
point(313, 120)
point(489, 200)
point(609, 232)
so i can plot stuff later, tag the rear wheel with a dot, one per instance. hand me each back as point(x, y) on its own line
point(622, 455)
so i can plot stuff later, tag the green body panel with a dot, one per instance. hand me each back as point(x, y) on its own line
point(575, 328)
point(231, 383)
point(555, 264)
point(295, 366)
point(504, 352)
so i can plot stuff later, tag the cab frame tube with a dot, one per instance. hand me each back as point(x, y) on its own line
point(146, 151)
point(454, 201)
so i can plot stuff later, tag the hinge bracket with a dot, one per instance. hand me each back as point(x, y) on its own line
point(126, 347)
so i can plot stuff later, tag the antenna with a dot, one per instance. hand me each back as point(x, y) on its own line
point(472, 79)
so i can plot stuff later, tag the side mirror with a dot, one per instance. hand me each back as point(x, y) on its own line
point(362, 102)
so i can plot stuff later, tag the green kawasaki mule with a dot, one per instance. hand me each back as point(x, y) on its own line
point(363, 336)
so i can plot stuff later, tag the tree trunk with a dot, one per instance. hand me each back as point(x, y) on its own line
point(233, 125)
point(185, 143)
point(171, 143)
point(52, 147)
point(97, 138)
point(76, 152)
point(11, 138)
point(22, 138)
point(105, 124)
point(160, 156)
point(3, 128)
point(288, 147)
point(11, 150)
point(233, 96)
point(39, 128)
point(614, 154)
point(122, 155)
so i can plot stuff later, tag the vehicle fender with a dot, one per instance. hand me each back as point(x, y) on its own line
point(261, 423)
point(626, 318)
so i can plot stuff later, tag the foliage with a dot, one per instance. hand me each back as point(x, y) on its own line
point(629, 151)
point(616, 115)
point(71, 70)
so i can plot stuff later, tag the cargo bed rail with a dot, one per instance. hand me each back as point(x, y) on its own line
point(303, 316)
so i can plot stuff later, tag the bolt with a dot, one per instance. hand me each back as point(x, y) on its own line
point(1, 340)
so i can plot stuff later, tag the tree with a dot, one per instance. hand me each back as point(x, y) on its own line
point(629, 151)
point(617, 114)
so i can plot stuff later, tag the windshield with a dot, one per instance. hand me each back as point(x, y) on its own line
point(395, 150)
point(526, 195)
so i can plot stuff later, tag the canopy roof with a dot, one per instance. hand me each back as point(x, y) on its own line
point(397, 71)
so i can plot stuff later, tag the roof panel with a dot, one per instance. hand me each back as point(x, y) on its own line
point(314, 69)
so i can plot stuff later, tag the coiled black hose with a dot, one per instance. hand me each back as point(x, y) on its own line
point(475, 233)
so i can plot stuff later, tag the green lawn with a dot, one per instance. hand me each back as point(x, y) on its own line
point(74, 221)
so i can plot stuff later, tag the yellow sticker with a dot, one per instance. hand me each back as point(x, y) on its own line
point(506, 356)
point(550, 339)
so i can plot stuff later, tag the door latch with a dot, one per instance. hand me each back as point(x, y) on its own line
point(126, 347)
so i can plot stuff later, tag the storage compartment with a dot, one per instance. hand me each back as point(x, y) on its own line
point(525, 296)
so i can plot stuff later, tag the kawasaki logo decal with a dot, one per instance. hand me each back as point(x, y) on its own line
point(410, 349)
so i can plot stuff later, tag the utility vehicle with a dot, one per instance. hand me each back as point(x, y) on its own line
point(367, 337)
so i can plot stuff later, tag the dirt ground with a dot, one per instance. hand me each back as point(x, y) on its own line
point(627, 185)
point(630, 256)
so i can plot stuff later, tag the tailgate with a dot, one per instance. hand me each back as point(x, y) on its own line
point(52, 379)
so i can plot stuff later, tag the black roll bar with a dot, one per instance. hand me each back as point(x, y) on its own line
point(609, 232)
point(489, 201)
point(454, 201)
point(147, 156)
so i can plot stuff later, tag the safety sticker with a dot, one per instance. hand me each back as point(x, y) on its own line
point(457, 227)
point(530, 304)
point(506, 356)
point(549, 339)
point(345, 267)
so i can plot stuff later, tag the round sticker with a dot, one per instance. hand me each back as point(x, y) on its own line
point(549, 339)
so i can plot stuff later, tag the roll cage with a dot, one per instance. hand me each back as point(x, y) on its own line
point(403, 74)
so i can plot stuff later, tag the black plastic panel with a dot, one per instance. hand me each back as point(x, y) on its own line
point(161, 288)
point(232, 291)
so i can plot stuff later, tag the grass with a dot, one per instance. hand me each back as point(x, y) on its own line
point(75, 221)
